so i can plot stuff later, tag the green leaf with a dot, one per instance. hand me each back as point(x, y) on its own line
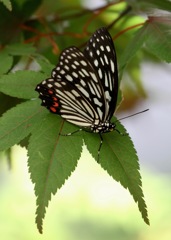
point(21, 84)
point(11, 21)
point(20, 49)
point(131, 49)
point(118, 157)
point(150, 5)
point(163, 5)
point(7, 102)
point(29, 7)
point(7, 4)
point(46, 66)
point(159, 37)
point(6, 62)
point(17, 123)
point(52, 158)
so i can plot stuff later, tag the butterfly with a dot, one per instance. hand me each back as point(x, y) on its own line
point(83, 87)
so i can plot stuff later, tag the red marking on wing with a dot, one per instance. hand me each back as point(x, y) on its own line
point(56, 104)
point(53, 109)
point(50, 92)
point(55, 99)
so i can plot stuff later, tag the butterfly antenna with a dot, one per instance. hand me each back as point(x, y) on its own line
point(133, 114)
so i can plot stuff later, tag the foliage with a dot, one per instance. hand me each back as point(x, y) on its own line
point(32, 33)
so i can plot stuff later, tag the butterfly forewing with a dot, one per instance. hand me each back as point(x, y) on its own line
point(100, 52)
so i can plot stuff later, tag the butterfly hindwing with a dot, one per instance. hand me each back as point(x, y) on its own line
point(65, 99)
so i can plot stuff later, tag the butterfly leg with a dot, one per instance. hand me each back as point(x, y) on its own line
point(69, 134)
point(123, 134)
point(101, 142)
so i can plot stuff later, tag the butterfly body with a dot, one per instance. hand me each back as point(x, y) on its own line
point(83, 88)
point(103, 127)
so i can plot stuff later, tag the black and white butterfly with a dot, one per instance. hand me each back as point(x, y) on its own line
point(83, 88)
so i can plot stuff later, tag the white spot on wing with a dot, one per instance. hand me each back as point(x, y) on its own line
point(69, 78)
point(112, 66)
point(91, 54)
point(82, 75)
point(85, 72)
point(98, 52)
point(83, 63)
point(94, 77)
point(106, 60)
point(62, 71)
point(108, 48)
point(86, 94)
point(82, 83)
point(106, 81)
point(96, 62)
point(101, 59)
point(53, 73)
point(99, 112)
point(57, 84)
point(75, 93)
point(107, 95)
point(102, 48)
point(97, 102)
point(50, 80)
point(76, 63)
point(73, 66)
point(75, 74)
point(66, 67)
point(63, 83)
point(100, 73)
